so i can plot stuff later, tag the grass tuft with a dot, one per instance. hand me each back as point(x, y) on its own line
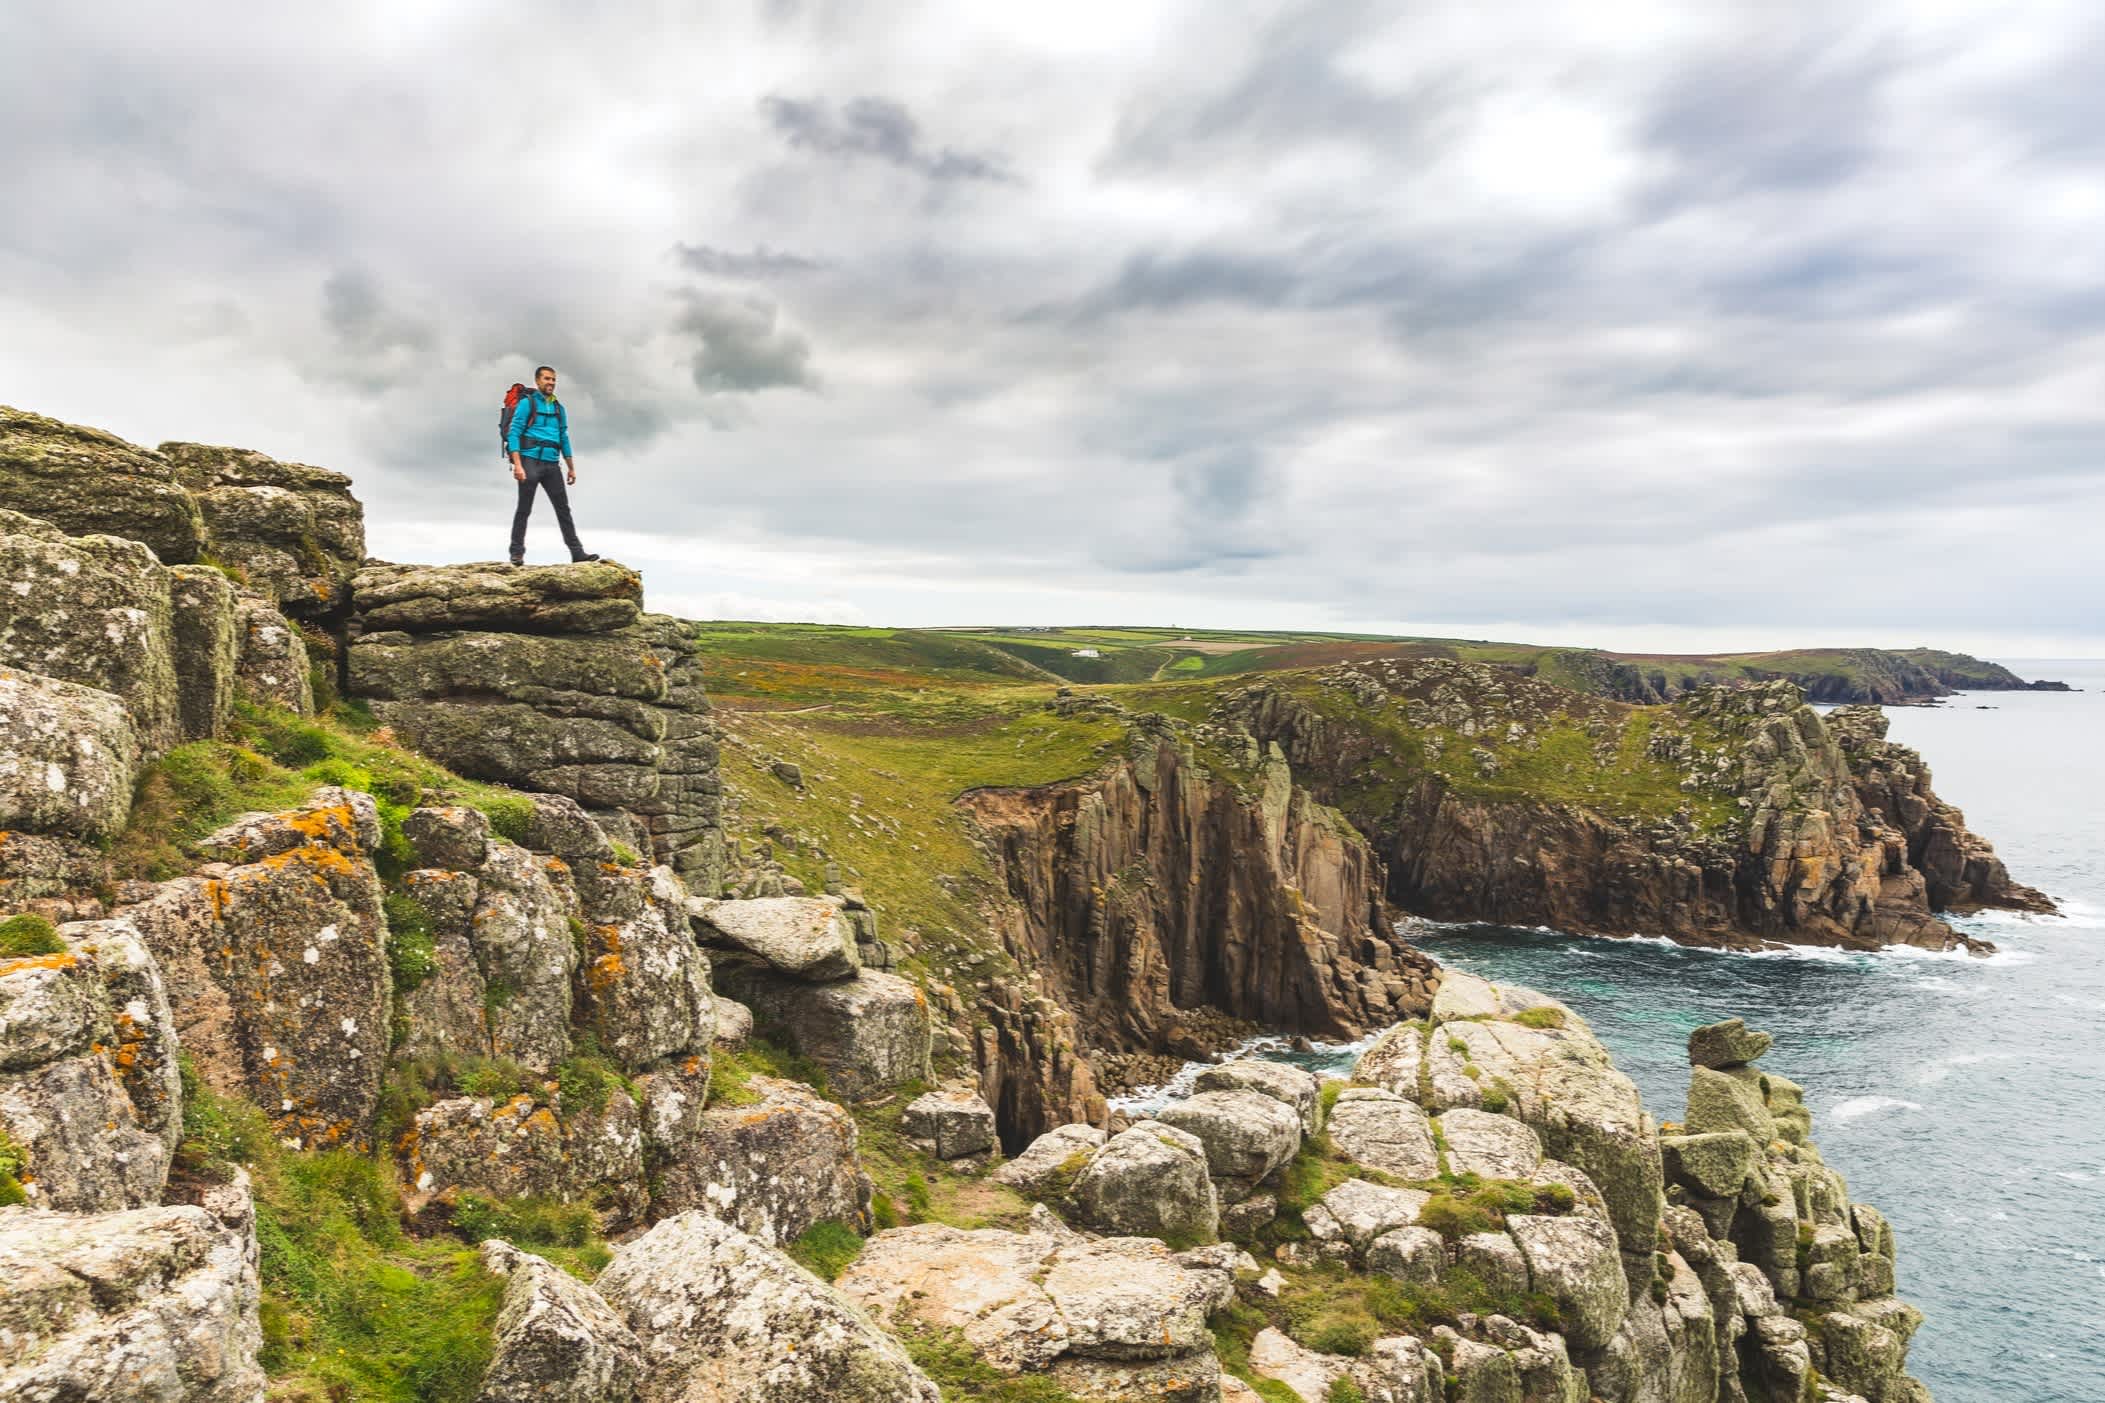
point(28, 934)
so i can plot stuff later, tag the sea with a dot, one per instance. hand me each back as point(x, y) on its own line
point(1963, 1096)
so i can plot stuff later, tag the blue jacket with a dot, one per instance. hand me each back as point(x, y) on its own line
point(550, 434)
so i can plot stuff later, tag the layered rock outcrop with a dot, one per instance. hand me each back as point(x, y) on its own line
point(291, 533)
point(549, 679)
point(1158, 888)
point(1789, 826)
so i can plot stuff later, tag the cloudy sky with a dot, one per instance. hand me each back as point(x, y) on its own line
point(1674, 325)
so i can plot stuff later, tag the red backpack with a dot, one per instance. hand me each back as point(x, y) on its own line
point(510, 411)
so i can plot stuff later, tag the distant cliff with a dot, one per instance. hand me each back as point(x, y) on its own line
point(1732, 817)
point(1881, 676)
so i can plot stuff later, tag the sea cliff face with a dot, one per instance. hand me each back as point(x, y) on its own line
point(1731, 817)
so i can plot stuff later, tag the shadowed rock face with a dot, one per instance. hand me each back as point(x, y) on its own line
point(549, 679)
point(1157, 888)
point(1833, 834)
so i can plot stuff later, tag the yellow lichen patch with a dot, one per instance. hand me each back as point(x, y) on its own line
point(64, 959)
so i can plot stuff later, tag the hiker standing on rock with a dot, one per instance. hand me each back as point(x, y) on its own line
point(536, 431)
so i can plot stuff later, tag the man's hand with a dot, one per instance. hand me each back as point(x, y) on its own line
point(570, 473)
point(518, 469)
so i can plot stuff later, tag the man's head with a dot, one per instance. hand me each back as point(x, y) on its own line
point(544, 379)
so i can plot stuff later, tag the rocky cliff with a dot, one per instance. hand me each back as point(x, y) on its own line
point(552, 679)
point(1731, 817)
point(1158, 892)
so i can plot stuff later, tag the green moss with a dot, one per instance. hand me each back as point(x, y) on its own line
point(13, 1160)
point(411, 953)
point(729, 1072)
point(271, 759)
point(964, 1377)
point(827, 1248)
point(586, 1081)
point(28, 934)
point(1344, 1390)
point(510, 816)
point(1541, 1016)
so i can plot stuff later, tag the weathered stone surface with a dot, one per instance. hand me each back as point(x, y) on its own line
point(1715, 1165)
point(95, 611)
point(1728, 1044)
point(1023, 1300)
point(595, 597)
point(272, 668)
point(205, 636)
point(1276, 1355)
point(557, 1340)
point(1497, 1147)
point(1187, 1378)
point(452, 836)
point(294, 532)
point(734, 1024)
point(1561, 1083)
point(523, 945)
point(957, 1122)
point(1863, 1347)
point(1392, 1062)
point(278, 970)
point(870, 1033)
point(1384, 1131)
point(1495, 1259)
point(805, 937)
point(140, 1306)
point(523, 667)
point(1048, 1156)
point(1574, 1262)
point(1720, 1103)
point(1149, 1181)
point(1272, 914)
point(1359, 1212)
point(644, 986)
point(1291, 1085)
point(529, 1147)
point(89, 1092)
point(86, 481)
point(724, 1318)
point(770, 1166)
point(1415, 1255)
point(1247, 1135)
point(1403, 1369)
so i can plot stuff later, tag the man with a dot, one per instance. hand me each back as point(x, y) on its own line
point(541, 433)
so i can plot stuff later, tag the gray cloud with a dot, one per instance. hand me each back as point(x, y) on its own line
point(880, 128)
point(1734, 325)
point(760, 262)
point(744, 344)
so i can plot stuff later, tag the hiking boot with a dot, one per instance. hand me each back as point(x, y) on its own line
point(518, 560)
point(582, 556)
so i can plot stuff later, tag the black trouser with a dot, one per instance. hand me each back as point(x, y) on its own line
point(547, 474)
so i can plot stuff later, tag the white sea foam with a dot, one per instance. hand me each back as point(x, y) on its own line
point(1154, 1098)
point(1870, 1105)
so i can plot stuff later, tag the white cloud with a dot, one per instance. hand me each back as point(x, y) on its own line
point(1647, 322)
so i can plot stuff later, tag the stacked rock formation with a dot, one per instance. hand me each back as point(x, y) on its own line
point(796, 962)
point(550, 679)
point(1712, 1266)
point(1814, 1271)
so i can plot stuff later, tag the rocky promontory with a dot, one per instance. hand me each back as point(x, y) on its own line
point(1732, 817)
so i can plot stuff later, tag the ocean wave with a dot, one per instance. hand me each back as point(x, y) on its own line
point(1857, 1106)
point(1944, 1066)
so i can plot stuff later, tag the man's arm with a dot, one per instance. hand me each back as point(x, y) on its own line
point(562, 425)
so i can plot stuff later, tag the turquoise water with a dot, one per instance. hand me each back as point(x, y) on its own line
point(1964, 1097)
